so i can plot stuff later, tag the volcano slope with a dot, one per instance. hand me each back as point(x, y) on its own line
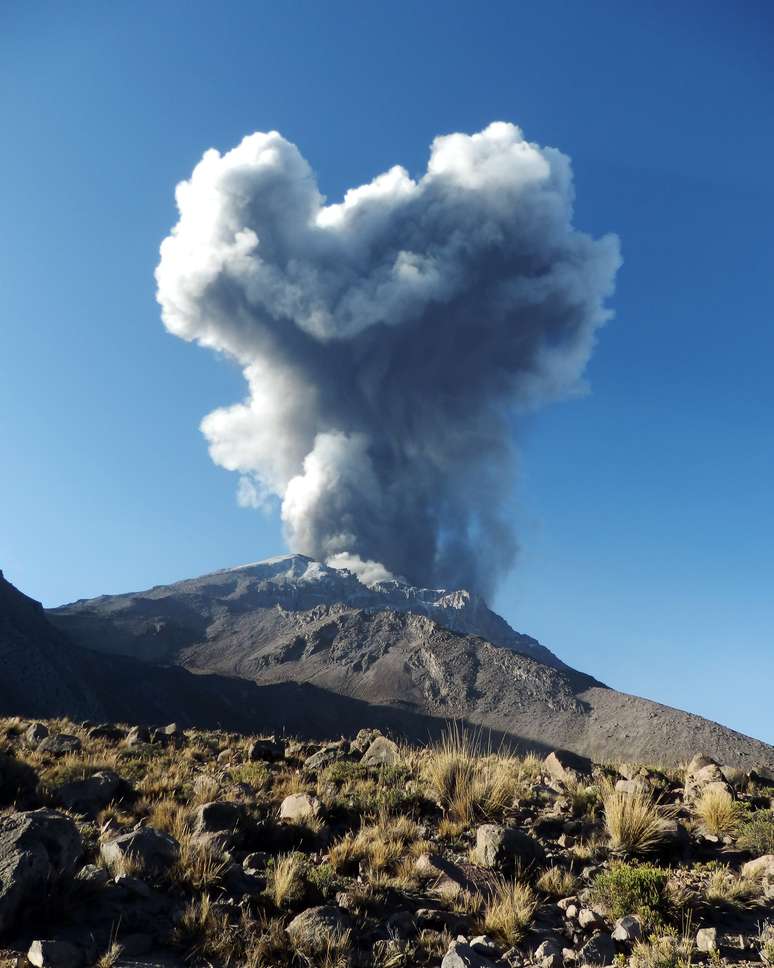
point(386, 656)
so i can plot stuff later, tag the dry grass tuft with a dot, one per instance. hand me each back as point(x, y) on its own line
point(726, 889)
point(557, 882)
point(508, 912)
point(718, 812)
point(286, 880)
point(636, 823)
point(469, 782)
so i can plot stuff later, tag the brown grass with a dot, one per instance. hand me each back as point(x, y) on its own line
point(509, 911)
point(636, 823)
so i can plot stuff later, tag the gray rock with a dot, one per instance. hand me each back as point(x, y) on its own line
point(54, 954)
point(106, 731)
point(36, 732)
point(150, 848)
point(268, 750)
point(59, 744)
point(92, 878)
point(462, 955)
point(566, 767)
point(637, 785)
point(382, 752)
point(133, 885)
point(88, 795)
point(324, 757)
point(549, 954)
point(627, 929)
point(587, 918)
point(498, 846)
point(218, 815)
point(703, 773)
point(299, 807)
point(137, 735)
point(707, 940)
point(364, 739)
point(310, 928)
point(598, 950)
point(36, 848)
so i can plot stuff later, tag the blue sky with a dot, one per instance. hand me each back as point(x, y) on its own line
point(644, 508)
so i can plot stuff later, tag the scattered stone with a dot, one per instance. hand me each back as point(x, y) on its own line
point(707, 940)
point(461, 955)
point(134, 885)
point(549, 954)
point(498, 846)
point(89, 795)
point(54, 954)
point(36, 732)
point(37, 848)
point(148, 847)
point(137, 735)
point(364, 739)
point(256, 862)
point(703, 773)
point(567, 767)
point(59, 744)
point(106, 731)
point(382, 752)
point(587, 918)
point(637, 785)
point(92, 877)
point(598, 950)
point(627, 929)
point(299, 807)
point(267, 750)
point(327, 755)
point(312, 927)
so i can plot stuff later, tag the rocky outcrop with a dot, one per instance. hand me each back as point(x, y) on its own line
point(37, 848)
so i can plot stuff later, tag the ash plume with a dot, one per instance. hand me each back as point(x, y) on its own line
point(388, 341)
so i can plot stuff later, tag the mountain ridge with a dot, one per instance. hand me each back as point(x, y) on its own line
point(282, 625)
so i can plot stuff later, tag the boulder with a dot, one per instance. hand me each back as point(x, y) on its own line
point(148, 847)
point(36, 848)
point(60, 744)
point(327, 755)
point(627, 929)
point(382, 752)
point(106, 731)
point(219, 826)
point(567, 767)
point(637, 785)
point(461, 955)
point(762, 870)
point(707, 940)
point(89, 795)
point(92, 878)
point(36, 732)
point(364, 739)
point(268, 750)
point(598, 950)
point(299, 807)
point(137, 735)
point(54, 954)
point(312, 927)
point(504, 847)
point(702, 774)
point(548, 954)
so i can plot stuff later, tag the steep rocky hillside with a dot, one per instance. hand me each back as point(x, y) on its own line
point(290, 622)
point(261, 601)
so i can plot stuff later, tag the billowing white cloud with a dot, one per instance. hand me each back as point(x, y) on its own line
point(387, 339)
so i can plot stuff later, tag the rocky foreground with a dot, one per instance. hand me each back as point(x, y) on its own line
point(136, 846)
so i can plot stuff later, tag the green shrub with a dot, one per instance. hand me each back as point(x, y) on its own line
point(757, 833)
point(632, 889)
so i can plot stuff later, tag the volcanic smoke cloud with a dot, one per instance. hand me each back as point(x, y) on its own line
point(387, 341)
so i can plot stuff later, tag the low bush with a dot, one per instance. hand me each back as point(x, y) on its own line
point(633, 889)
point(757, 833)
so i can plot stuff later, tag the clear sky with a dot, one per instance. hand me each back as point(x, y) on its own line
point(644, 508)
